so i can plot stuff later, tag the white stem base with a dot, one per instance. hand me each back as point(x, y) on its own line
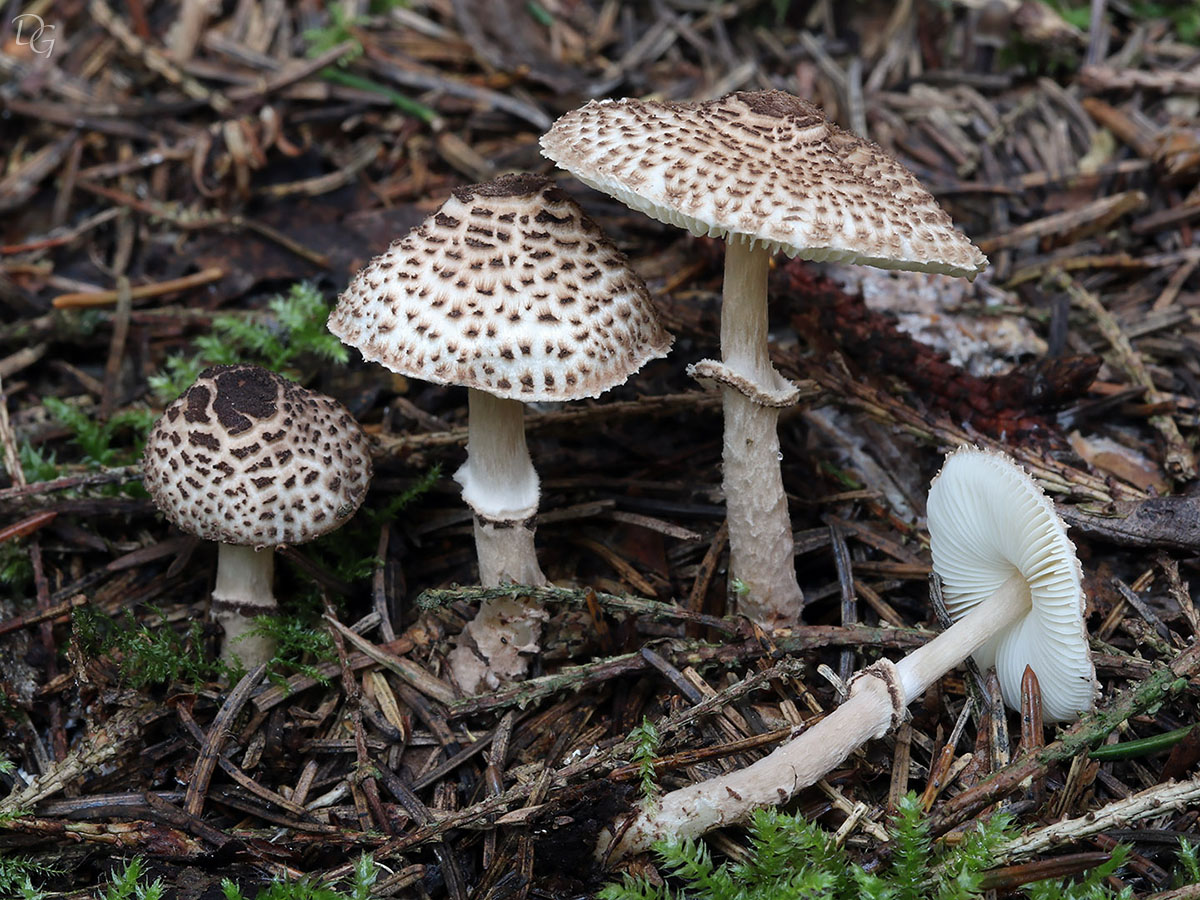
point(500, 484)
point(496, 645)
point(876, 701)
point(241, 592)
point(506, 554)
point(761, 547)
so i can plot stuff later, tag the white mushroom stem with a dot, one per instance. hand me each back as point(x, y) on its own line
point(761, 547)
point(925, 665)
point(501, 486)
point(243, 591)
point(877, 700)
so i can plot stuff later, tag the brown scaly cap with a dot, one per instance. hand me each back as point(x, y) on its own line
point(246, 456)
point(508, 288)
point(765, 166)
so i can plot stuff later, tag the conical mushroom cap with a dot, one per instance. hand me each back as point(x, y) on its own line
point(510, 289)
point(246, 456)
point(767, 167)
point(988, 521)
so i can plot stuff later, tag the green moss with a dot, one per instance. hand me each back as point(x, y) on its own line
point(116, 441)
point(1184, 17)
point(793, 858)
point(291, 333)
point(16, 570)
point(648, 740)
point(341, 29)
point(365, 875)
point(37, 466)
point(301, 644)
point(145, 656)
point(17, 874)
point(130, 884)
point(1188, 870)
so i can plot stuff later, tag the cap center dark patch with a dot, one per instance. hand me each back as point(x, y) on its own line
point(780, 104)
point(243, 394)
point(519, 184)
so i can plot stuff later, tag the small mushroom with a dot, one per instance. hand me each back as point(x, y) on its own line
point(254, 461)
point(511, 291)
point(1012, 581)
point(767, 172)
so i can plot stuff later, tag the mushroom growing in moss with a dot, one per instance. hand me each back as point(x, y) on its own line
point(767, 172)
point(254, 461)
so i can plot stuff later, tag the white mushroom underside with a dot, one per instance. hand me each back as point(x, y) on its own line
point(987, 522)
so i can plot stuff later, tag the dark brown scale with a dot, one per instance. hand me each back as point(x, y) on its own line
point(197, 404)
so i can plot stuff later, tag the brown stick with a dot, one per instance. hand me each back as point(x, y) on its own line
point(218, 733)
point(88, 299)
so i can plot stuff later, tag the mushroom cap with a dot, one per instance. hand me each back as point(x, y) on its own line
point(510, 289)
point(764, 166)
point(246, 456)
point(988, 520)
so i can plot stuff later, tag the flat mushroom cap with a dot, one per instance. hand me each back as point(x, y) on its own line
point(765, 166)
point(988, 520)
point(510, 289)
point(246, 456)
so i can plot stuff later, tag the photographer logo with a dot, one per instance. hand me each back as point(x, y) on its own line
point(34, 33)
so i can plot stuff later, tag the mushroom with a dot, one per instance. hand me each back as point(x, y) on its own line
point(510, 290)
point(254, 461)
point(767, 172)
point(1012, 582)
point(998, 544)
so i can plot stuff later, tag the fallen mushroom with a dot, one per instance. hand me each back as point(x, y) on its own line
point(254, 461)
point(1007, 562)
point(995, 537)
point(510, 290)
point(768, 172)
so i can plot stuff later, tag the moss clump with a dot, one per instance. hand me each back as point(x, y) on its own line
point(793, 858)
